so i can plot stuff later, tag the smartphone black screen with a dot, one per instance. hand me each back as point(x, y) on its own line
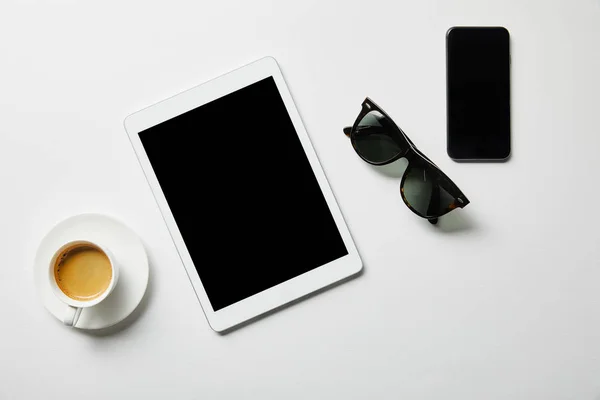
point(478, 90)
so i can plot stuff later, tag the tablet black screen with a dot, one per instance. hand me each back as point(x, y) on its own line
point(243, 193)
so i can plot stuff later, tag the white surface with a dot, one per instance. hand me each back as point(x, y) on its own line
point(508, 308)
point(284, 292)
point(124, 247)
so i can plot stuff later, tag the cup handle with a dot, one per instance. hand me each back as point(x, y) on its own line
point(72, 315)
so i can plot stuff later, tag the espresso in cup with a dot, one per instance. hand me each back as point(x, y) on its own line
point(83, 272)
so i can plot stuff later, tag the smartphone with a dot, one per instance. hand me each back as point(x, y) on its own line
point(478, 93)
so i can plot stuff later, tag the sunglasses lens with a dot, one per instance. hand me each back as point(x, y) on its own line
point(376, 138)
point(427, 192)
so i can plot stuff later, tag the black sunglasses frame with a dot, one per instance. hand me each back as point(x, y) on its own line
point(414, 157)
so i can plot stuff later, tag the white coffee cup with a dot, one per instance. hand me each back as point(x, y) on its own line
point(74, 307)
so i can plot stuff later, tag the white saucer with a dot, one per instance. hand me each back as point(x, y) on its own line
point(127, 248)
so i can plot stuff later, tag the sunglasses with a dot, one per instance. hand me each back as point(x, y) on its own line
point(425, 189)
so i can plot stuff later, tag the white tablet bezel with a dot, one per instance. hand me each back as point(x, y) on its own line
point(284, 292)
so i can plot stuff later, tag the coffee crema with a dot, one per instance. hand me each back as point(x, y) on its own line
point(83, 272)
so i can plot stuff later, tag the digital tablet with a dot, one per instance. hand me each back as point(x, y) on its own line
point(243, 194)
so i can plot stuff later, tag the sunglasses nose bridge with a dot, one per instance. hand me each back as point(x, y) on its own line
point(409, 155)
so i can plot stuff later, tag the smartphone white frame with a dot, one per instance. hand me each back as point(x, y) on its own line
point(287, 291)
